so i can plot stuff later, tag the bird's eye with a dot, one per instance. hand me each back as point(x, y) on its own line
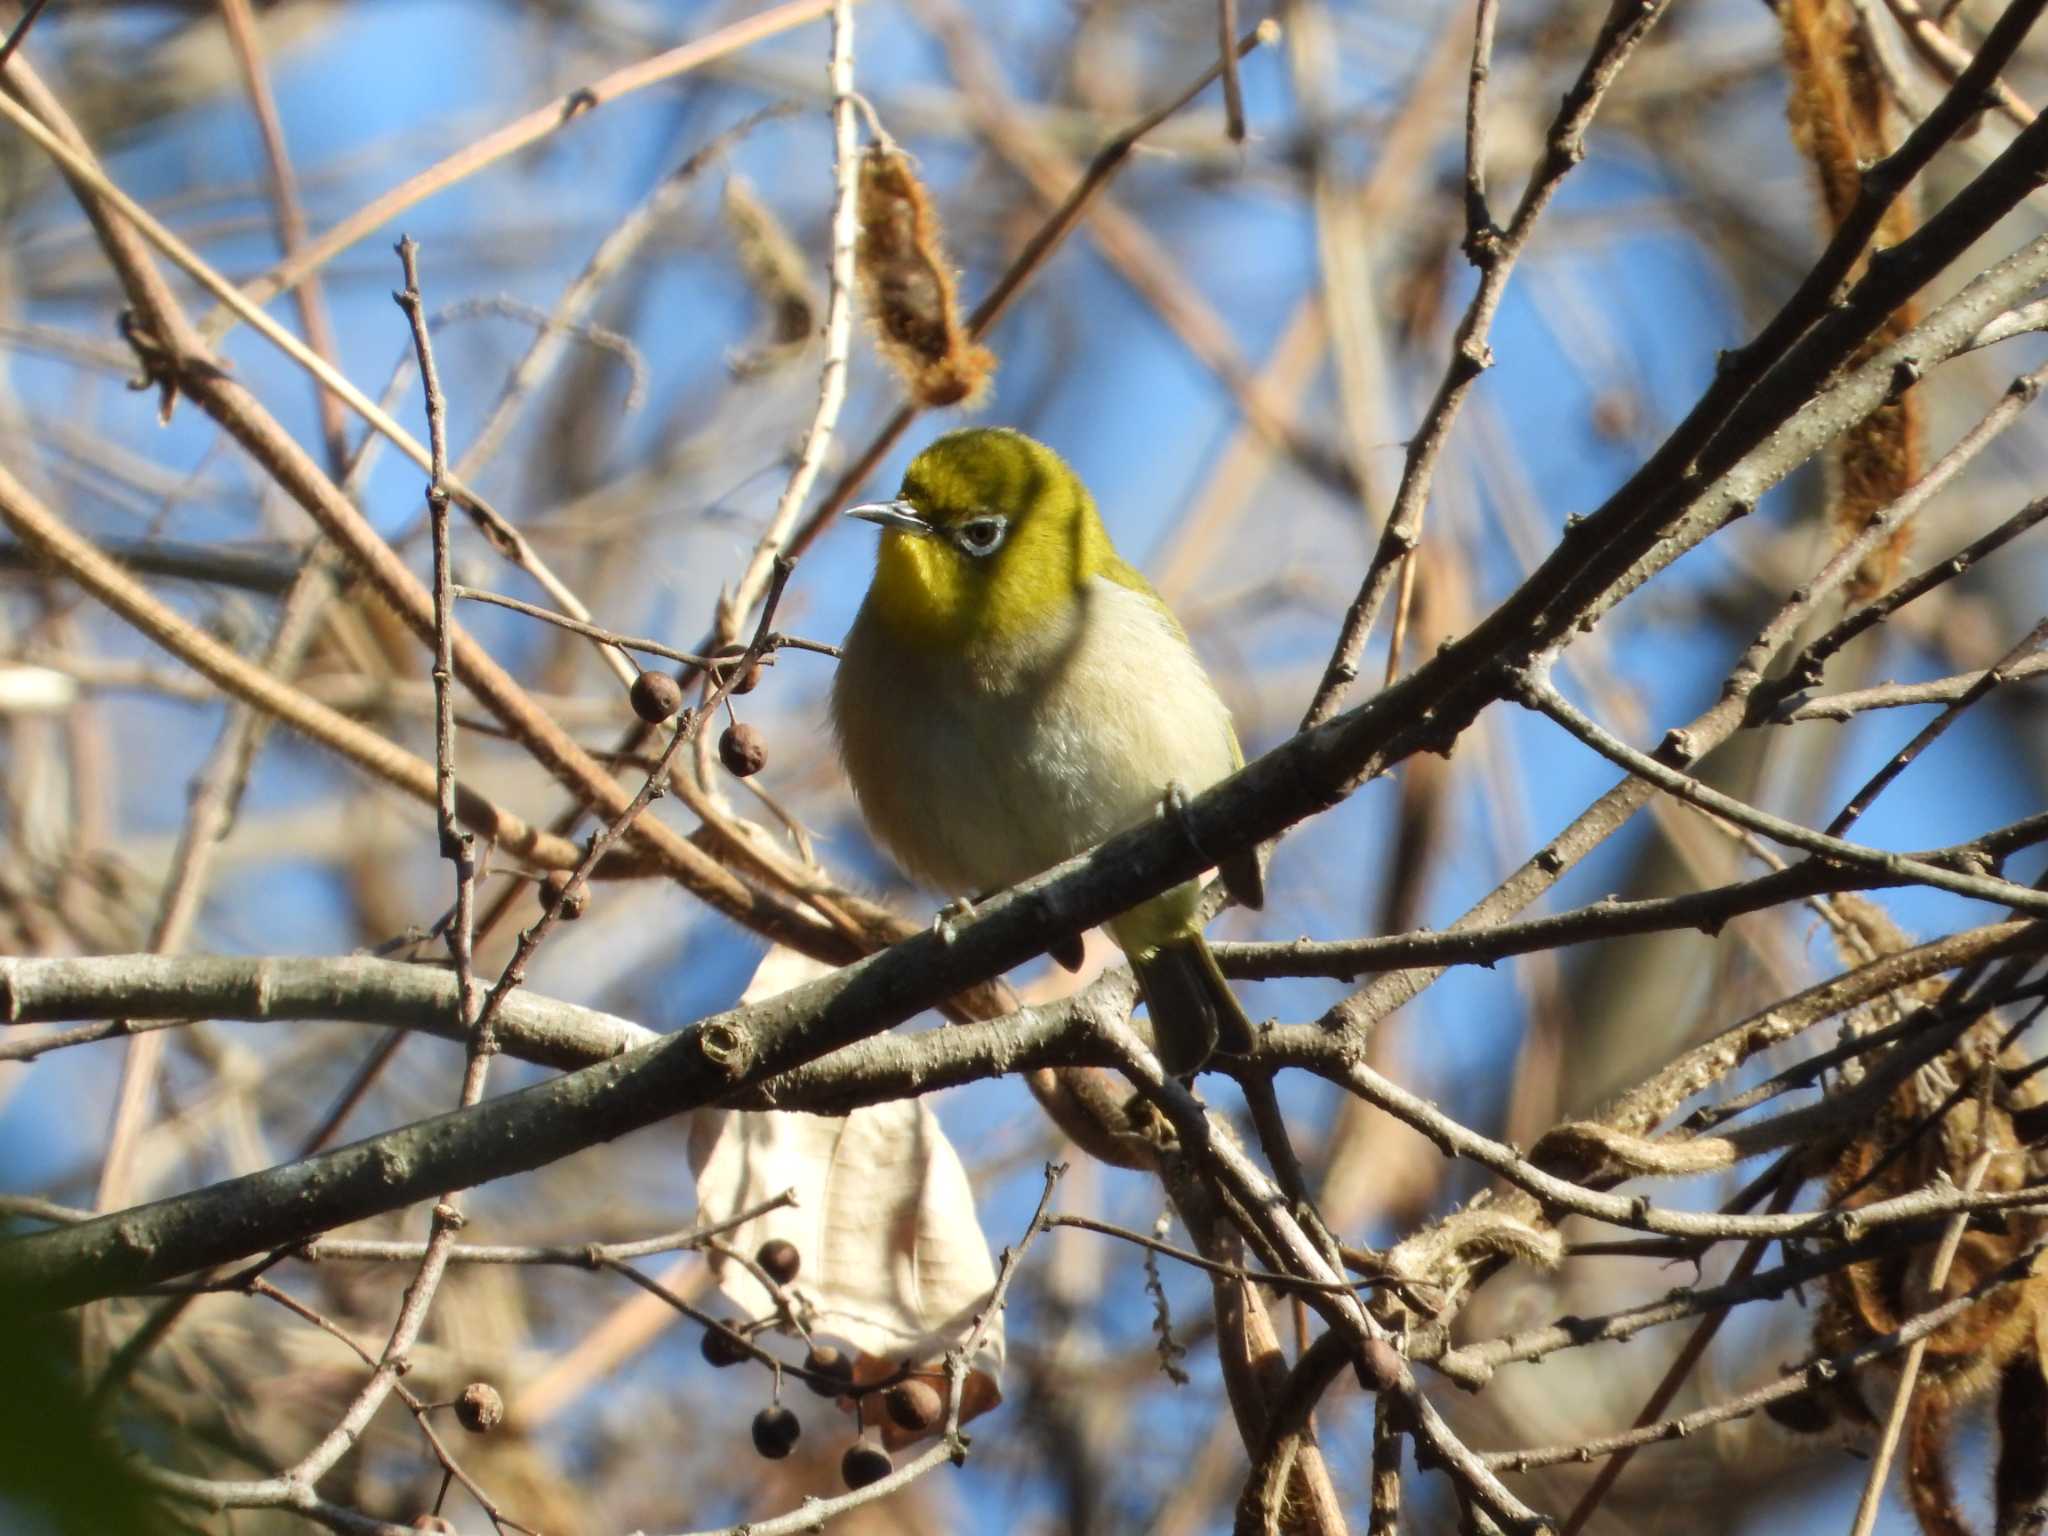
point(981, 535)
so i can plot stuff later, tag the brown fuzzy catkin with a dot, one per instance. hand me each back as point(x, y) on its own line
point(1837, 119)
point(2021, 1482)
point(908, 285)
point(1928, 1488)
point(1926, 1133)
point(773, 265)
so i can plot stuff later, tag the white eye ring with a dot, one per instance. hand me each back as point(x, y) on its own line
point(982, 535)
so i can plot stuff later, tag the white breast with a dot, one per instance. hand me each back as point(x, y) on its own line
point(974, 785)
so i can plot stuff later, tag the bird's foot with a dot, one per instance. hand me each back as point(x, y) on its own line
point(1174, 804)
point(950, 916)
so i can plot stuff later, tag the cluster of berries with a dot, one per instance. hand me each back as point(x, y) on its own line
point(913, 1403)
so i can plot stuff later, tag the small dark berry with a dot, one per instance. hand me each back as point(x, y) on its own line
point(775, 1432)
point(551, 895)
point(780, 1258)
point(742, 750)
point(748, 680)
point(915, 1405)
point(480, 1410)
point(864, 1462)
point(720, 1348)
point(833, 1366)
point(656, 696)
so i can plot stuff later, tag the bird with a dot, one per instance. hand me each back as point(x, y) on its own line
point(1012, 692)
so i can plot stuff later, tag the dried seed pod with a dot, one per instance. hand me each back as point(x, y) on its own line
point(554, 893)
point(480, 1409)
point(655, 696)
point(432, 1523)
point(833, 1365)
point(776, 270)
point(864, 1462)
point(1837, 112)
point(908, 283)
point(719, 1348)
point(742, 750)
point(1933, 1128)
point(748, 680)
point(2021, 1481)
point(776, 1431)
point(915, 1405)
point(780, 1258)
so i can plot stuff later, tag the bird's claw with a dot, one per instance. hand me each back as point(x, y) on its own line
point(946, 923)
point(1174, 803)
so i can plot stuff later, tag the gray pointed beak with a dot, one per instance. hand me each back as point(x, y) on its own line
point(899, 515)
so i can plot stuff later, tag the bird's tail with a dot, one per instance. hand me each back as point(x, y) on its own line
point(1193, 1009)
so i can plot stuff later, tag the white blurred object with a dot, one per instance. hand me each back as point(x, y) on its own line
point(26, 690)
point(893, 1260)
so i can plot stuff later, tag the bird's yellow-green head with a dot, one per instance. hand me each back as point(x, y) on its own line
point(990, 537)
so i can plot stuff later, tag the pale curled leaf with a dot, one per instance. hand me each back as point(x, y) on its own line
point(893, 1260)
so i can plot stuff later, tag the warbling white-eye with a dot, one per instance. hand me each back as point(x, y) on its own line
point(1012, 693)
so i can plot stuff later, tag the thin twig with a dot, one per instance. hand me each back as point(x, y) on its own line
point(1681, 1367)
point(323, 1250)
point(1269, 1220)
point(19, 34)
point(581, 627)
point(288, 215)
point(1495, 253)
point(1806, 669)
point(776, 641)
point(1640, 1214)
point(1926, 736)
point(510, 139)
point(733, 608)
point(1545, 699)
point(1228, 1271)
point(1708, 911)
point(1481, 233)
point(1949, 58)
point(1790, 1384)
point(457, 846)
point(1233, 89)
point(1940, 690)
point(814, 1512)
point(450, 1466)
point(959, 1358)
